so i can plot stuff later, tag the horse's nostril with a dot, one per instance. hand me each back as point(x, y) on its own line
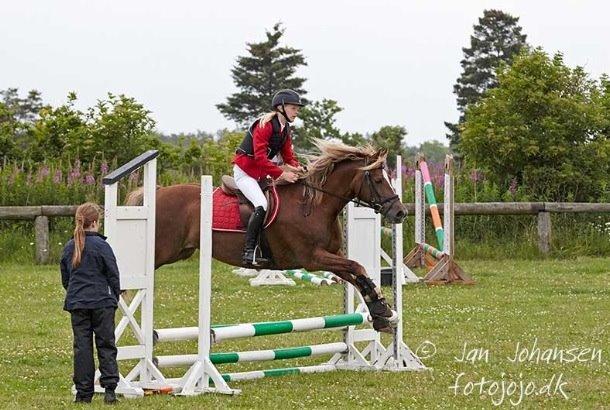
point(400, 215)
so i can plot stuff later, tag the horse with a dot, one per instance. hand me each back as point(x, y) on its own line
point(306, 232)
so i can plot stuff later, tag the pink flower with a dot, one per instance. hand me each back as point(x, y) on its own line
point(89, 179)
point(57, 178)
point(43, 172)
point(476, 175)
point(104, 168)
point(513, 186)
point(408, 173)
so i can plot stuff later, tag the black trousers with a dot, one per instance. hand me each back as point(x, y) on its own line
point(85, 324)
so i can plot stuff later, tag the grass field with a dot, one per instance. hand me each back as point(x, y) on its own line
point(558, 304)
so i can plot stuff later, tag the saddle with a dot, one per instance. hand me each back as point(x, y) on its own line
point(246, 208)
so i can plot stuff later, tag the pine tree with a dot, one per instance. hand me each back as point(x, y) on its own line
point(497, 39)
point(268, 68)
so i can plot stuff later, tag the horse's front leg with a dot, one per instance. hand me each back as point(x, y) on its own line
point(384, 318)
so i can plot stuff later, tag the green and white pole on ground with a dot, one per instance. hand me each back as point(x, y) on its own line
point(259, 374)
point(303, 275)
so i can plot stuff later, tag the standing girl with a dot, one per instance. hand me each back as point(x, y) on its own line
point(267, 138)
point(90, 276)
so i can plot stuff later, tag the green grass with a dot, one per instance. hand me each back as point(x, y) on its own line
point(562, 304)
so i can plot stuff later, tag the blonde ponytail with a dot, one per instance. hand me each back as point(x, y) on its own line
point(86, 215)
point(265, 118)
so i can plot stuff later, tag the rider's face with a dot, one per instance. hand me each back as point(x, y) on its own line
point(292, 111)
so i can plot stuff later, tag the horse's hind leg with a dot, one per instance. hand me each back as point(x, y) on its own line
point(384, 318)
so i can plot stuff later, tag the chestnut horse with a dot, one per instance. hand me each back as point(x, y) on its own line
point(306, 232)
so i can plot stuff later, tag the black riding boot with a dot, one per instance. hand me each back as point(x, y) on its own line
point(255, 226)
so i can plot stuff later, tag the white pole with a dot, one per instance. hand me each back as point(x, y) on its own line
point(205, 269)
point(150, 193)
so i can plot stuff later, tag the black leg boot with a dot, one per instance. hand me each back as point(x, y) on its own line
point(110, 396)
point(255, 225)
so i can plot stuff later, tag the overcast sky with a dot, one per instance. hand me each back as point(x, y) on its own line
point(385, 62)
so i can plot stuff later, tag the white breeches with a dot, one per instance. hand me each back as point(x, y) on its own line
point(250, 188)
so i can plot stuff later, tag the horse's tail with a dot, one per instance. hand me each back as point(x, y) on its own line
point(135, 198)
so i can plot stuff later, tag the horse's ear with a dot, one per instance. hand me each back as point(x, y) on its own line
point(382, 152)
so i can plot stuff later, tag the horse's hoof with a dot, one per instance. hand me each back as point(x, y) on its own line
point(394, 318)
point(380, 308)
point(383, 325)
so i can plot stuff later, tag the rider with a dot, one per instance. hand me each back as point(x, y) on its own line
point(256, 159)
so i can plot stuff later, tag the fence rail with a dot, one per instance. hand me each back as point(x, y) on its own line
point(41, 214)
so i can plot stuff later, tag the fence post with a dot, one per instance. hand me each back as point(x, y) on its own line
point(41, 229)
point(544, 232)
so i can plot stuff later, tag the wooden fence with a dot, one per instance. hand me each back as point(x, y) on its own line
point(41, 215)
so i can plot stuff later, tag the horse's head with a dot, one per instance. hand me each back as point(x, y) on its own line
point(372, 186)
point(356, 173)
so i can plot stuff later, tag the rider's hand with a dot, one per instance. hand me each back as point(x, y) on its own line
point(289, 176)
point(287, 167)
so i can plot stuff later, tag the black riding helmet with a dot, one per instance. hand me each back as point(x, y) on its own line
point(283, 97)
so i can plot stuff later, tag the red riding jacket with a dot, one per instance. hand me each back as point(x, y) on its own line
point(259, 166)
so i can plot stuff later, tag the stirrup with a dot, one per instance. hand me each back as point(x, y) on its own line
point(249, 258)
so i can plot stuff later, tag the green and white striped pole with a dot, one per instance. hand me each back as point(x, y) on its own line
point(431, 250)
point(255, 355)
point(220, 333)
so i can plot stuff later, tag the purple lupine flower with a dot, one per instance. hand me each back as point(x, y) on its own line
point(76, 170)
point(104, 168)
point(513, 186)
point(89, 179)
point(408, 173)
point(57, 177)
point(476, 175)
point(437, 180)
point(43, 172)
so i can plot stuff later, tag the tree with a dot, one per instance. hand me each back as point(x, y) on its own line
point(497, 39)
point(24, 109)
point(116, 128)
point(546, 127)
point(434, 151)
point(318, 121)
point(268, 68)
point(16, 118)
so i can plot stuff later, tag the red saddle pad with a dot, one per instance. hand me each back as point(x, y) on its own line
point(225, 215)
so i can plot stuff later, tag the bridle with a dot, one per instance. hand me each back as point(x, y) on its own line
point(376, 203)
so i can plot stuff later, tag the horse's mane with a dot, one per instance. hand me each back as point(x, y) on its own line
point(331, 153)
